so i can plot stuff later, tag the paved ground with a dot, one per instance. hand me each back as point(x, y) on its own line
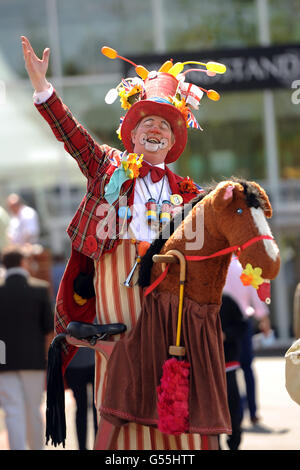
point(280, 416)
point(279, 428)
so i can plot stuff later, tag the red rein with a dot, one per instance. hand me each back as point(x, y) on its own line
point(225, 251)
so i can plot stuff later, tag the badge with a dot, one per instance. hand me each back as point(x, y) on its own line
point(176, 199)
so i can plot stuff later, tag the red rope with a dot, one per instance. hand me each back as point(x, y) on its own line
point(225, 251)
point(157, 281)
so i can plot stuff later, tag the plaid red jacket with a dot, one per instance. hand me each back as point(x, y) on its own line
point(97, 163)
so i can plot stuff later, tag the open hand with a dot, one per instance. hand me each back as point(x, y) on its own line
point(36, 68)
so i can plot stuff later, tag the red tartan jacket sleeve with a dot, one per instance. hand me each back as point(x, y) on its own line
point(91, 157)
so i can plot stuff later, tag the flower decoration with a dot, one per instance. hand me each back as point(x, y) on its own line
point(132, 165)
point(187, 185)
point(129, 93)
point(252, 276)
point(128, 169)
point(118, 131)
point(180, 104)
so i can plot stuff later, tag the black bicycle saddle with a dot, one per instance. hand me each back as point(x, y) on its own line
point(91, 331)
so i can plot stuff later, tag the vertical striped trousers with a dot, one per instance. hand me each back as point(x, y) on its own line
point(117, 303)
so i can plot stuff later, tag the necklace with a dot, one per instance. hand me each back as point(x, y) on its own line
point(156, 213)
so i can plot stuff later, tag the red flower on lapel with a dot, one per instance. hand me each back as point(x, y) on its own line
point(187, 185)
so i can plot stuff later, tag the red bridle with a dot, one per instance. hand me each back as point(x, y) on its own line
point(230, 249)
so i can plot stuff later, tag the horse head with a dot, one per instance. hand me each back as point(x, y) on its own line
point(241, 209)
point(231, 218)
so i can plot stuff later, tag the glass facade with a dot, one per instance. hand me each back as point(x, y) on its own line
point(194, 25)
point(234, 138)
point(231, 141)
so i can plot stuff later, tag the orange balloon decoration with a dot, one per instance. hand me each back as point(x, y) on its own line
point(213, 95)
point(142, 72)
point(166, 66)
point(109, 52)
point(112, 54)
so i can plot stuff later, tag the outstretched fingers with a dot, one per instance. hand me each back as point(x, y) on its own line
point(27, 46)
point(46, 55)
point(36, 68)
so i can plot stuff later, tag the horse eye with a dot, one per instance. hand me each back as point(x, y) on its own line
point(239, 211)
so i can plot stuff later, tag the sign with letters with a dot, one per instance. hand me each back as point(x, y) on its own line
point(253, 68)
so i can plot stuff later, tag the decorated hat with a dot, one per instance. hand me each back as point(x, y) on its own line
point(163, 93)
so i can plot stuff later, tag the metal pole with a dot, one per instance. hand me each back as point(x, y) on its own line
point(280, 293)
point(269, 114)
point(54, 39)
point(53, 33)
point(159, 39)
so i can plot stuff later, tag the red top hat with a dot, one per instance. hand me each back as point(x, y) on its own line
point(164, 93)
point(160, 88)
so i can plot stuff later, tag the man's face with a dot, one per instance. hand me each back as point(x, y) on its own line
point(153, 137)
point(13, 206)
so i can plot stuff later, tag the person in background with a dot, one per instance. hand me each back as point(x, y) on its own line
point(24, 224)
point(233, 327)
point(26, 326)
point(296, 312)
point(4, 223)
point(79, 374)
point(251, 307)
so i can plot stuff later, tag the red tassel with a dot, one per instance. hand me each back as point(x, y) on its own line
point(173, 397)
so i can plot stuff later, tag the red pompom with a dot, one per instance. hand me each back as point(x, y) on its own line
point(173, 396)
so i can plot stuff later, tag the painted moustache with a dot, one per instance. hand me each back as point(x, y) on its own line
point(152, 144)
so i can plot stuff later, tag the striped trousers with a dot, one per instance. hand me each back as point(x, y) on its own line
point(117, 303)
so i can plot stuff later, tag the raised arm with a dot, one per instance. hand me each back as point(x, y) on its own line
point(77, 141)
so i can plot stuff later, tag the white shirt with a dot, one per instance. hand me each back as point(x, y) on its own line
point(24, 227)
point(138, 228)
point(4, 224)
point(16, 270)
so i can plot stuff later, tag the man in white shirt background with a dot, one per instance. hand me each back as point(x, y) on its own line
point(24, 224)
point(4, 223)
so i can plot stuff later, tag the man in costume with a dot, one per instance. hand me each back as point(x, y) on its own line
point(128, 195)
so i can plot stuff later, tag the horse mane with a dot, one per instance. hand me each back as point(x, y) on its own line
point(253, 199)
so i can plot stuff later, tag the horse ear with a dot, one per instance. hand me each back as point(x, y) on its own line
point(267, 205)
point(223, 194)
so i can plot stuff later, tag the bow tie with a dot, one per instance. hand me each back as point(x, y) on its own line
point(156, 173)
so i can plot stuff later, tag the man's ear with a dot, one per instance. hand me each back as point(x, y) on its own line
point(133, 136)
point(173, 140)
